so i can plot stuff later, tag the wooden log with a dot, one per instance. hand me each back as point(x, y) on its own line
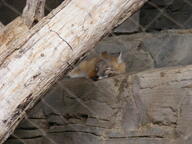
point(11, 33)
point(50, 48)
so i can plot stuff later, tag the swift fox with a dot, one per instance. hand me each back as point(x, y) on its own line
point(99, 67)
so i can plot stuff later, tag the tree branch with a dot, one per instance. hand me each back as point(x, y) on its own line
point(33, 11)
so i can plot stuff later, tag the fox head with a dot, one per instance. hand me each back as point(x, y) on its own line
point(110, 65)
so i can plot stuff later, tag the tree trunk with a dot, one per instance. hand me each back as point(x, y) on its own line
point(49, 49)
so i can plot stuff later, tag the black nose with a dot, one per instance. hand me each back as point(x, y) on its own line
point(95, 78)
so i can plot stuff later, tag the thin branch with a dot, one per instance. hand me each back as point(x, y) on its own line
point(33, 11)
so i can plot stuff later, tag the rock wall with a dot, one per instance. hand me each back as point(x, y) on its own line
point(166, 14)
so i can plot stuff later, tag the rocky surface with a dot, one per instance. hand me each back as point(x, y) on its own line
point(143, 51)
point(151, 107)
point(131, 25)
point(166, 14)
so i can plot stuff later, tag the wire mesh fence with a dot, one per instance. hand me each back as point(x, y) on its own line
point(158, 35)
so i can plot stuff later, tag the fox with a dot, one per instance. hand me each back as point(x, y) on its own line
point(99, 67)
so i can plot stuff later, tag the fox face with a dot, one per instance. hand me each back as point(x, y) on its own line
point(109, 66)
point(99, 67)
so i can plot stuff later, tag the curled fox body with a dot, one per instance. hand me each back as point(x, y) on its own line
point(99, 67)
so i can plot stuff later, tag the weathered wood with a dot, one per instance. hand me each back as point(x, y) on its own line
point(50, 48)
point(12, 32)
point(33, 11)
point(19, 25)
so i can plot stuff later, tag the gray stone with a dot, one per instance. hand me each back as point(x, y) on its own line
point(33, 124)
point(72, 138)
point(27, 134)
point(170, 48)
point(25, 141)
point(130, 25)
point(37, 112)
point(164, 14)
point(147, 50)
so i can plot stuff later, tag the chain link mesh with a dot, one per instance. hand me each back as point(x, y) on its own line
point(155, 17)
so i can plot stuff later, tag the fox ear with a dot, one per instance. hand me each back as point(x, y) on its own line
point(119, 59)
